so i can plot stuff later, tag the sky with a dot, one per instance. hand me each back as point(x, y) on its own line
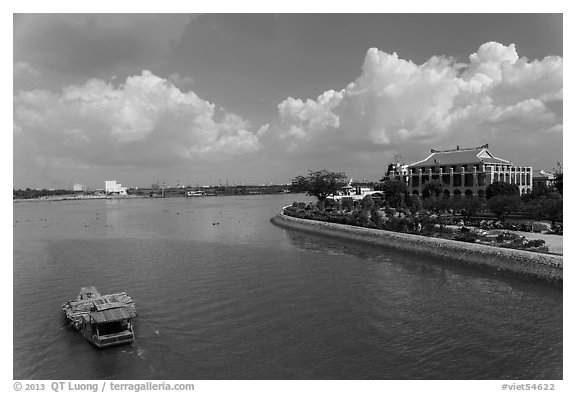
point(262, 98)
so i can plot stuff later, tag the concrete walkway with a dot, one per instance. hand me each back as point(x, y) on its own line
point(554, 242)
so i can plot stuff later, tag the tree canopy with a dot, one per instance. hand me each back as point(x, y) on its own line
point(321, 184)
point(503, 205)
point(394, 191)
point(501, 188)
point(558, 178)
point(548, 207)
point(432, 188)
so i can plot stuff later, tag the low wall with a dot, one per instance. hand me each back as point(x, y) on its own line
point(534, 265)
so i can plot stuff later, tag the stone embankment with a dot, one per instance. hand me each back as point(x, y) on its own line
point(528, 264)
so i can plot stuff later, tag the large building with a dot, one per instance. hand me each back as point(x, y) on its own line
point(462, 172)
point(114, 188)
point(543, 179)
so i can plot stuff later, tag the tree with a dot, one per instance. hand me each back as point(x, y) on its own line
point(321, 184)
point(469, 206)
point(432, 188)
point(298, 184)
point(501, 188)
point(394, 191)
point(367, 203)
point(558, 175)
point(503, 205)
point(539, 190)
point(549, 207)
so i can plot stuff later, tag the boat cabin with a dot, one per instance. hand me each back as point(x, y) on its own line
point(108, 324)
point(104, 320)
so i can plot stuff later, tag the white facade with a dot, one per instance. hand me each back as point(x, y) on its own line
point(462, 172)
point(112, 187)
point(79, 187)
point(354, 193)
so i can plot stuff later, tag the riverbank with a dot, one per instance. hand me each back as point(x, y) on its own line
point(74, 198)
point(533, 265)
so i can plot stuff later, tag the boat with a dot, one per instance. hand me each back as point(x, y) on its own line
point(195, 193)
point(104, 320)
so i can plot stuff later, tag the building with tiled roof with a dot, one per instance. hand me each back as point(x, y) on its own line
point(462, 172)
point(543, 178)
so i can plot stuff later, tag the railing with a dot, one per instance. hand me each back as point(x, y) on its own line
point(114, 338)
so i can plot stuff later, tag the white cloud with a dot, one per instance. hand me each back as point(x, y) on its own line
point(488, 64)
point(147, 119)
point(301, 118)
point(395, 101)
point(393, 105)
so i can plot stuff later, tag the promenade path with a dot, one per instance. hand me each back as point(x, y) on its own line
point(554, 242)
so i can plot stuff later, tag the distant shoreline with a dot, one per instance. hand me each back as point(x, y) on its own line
point(532, 265)
point(132, 196)
point(72, 198)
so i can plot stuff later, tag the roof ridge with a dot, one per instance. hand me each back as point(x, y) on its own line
point(485, 146)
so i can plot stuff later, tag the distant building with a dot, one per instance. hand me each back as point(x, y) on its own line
point(543, 178)
point(357, 192)
point(78, 187)
point(462, 172)
point(111, 187)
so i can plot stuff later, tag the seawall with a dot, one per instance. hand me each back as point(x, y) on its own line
point(528, 264)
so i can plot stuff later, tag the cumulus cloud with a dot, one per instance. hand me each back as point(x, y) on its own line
point(301, 118)
point(144, 121)
point(395, 101)
point(393, 105)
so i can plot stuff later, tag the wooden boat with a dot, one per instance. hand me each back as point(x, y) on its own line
point(104, 320)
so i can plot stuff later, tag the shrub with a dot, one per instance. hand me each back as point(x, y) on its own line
point(367, 203)
point(466, 237)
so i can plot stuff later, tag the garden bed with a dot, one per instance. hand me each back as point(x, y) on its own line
point(423, 224)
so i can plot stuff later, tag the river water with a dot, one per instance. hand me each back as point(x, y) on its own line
point(224, 294)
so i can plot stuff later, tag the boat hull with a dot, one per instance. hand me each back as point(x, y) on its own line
point(110, 341)
point(103, 320)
